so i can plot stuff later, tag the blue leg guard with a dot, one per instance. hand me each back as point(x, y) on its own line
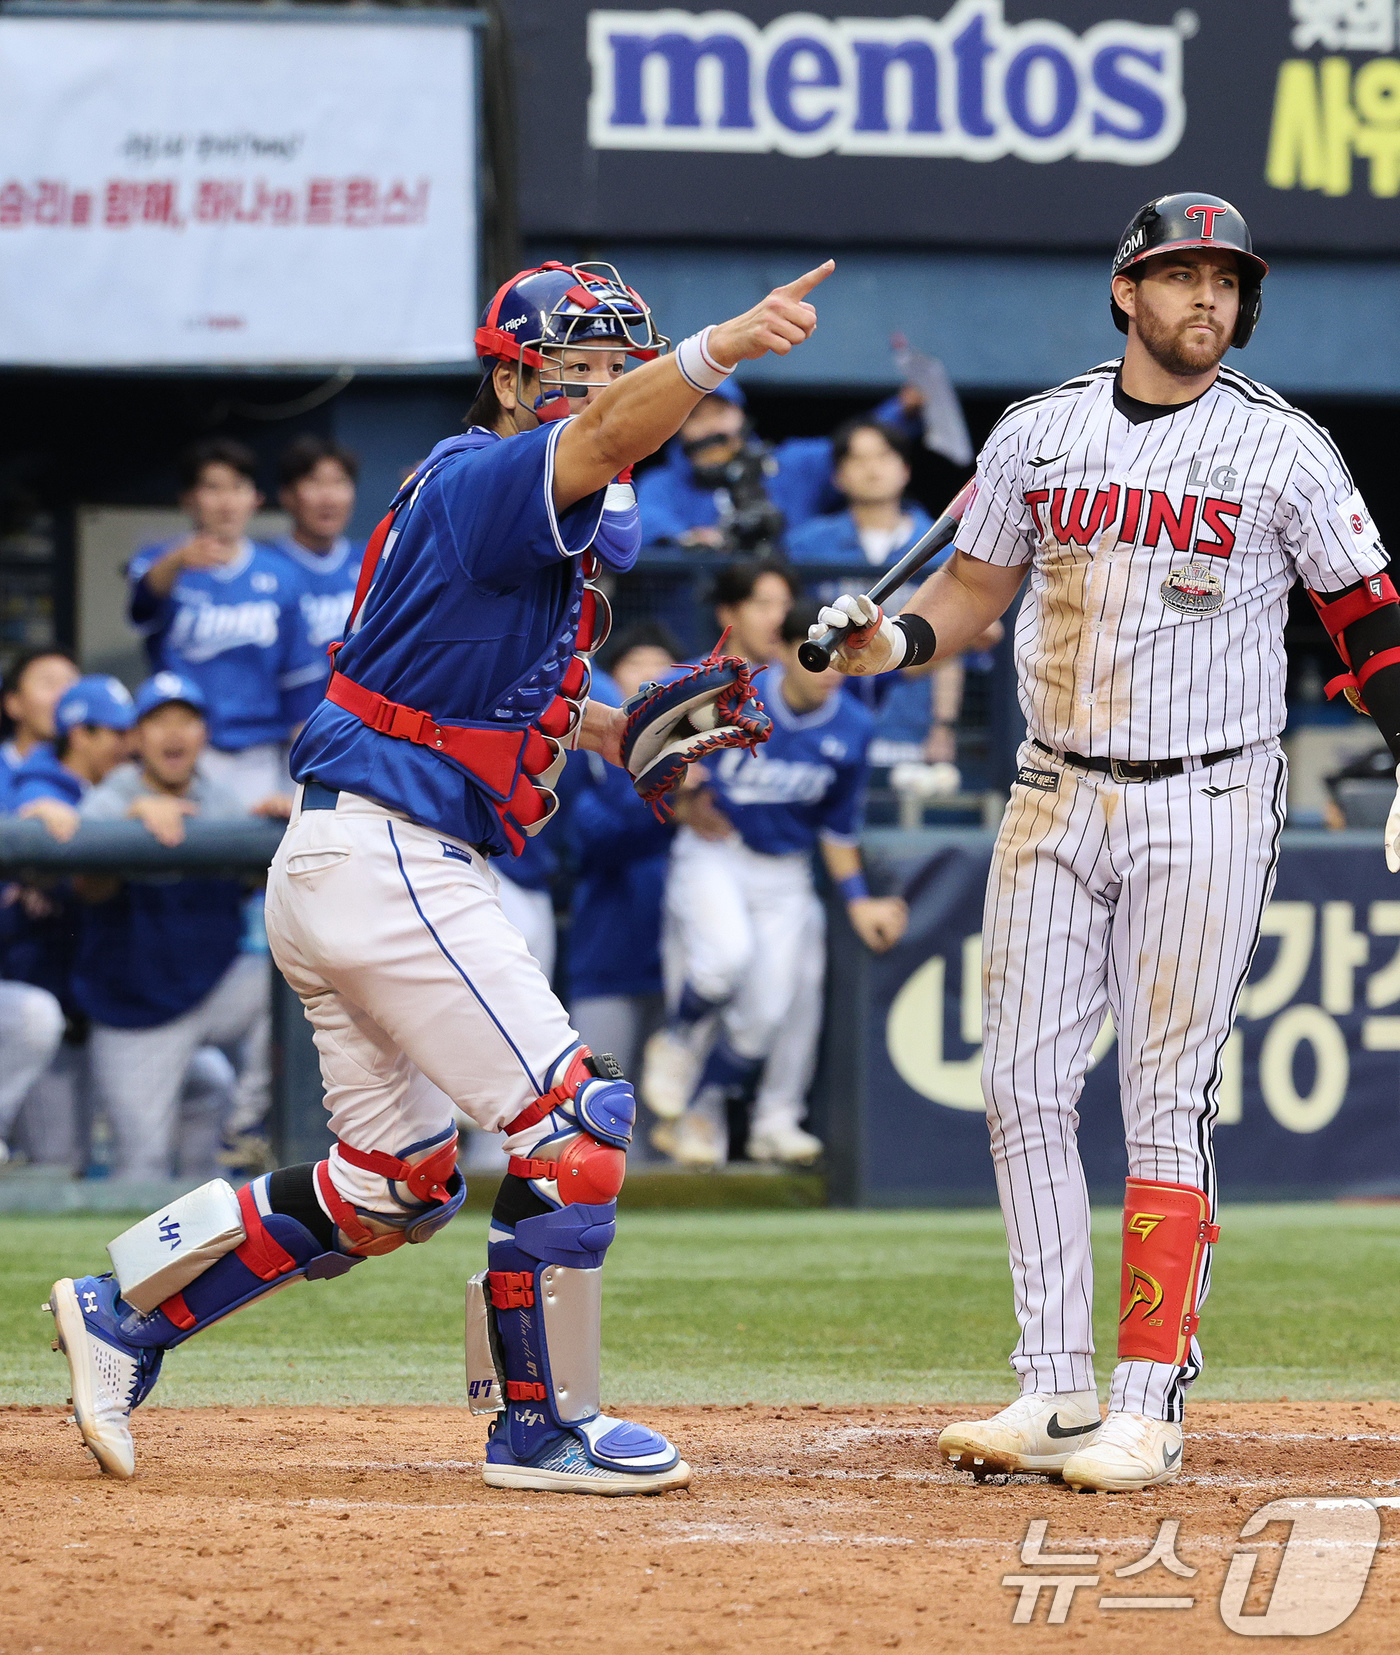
point(544, 1291)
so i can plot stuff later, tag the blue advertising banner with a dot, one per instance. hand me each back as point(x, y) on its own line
point(1310, 1081)
point(1006, 123)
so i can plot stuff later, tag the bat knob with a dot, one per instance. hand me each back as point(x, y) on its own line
point(813, 655)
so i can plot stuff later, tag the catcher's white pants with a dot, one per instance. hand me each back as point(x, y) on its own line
point(532, 914)
point(1142, 899)
point(748, 930)
point(421, 993)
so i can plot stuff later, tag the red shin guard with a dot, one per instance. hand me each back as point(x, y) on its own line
point(1166, 1230)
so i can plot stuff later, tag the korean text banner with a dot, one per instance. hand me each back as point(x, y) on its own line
point(208, 192)
point(1307, 1091)
point(998, 123)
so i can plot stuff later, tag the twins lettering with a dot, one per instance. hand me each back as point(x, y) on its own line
point(1203, 525)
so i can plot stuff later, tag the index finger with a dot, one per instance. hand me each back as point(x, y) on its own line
point(804, 284)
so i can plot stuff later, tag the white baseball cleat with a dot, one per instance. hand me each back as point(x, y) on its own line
point(1128, 1452)
point(670, 1069)
point(696, 1141)
point(109, 1376)
point(788, 1144)
point(1037, 1432)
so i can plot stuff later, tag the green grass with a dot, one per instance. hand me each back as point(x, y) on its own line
point(828, 1306)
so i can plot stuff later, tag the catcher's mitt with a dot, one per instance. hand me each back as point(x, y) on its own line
point(671, 725)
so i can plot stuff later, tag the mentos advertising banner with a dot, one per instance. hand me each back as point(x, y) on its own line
point(1309, 1095)
point(1005, 122)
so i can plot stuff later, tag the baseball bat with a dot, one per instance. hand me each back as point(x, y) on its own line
point(815, 654)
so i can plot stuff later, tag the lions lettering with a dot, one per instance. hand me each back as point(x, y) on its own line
point(202, 630)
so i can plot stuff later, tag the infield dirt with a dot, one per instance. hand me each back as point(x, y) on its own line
point(308, 1530)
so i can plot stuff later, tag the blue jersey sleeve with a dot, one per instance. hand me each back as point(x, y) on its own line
point(610, 827)
point(495, 509)
point(148, 612)
point(302, 668)
point(841, 813)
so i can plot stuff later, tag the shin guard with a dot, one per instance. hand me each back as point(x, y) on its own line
point(1166, 1230)
point(535, 1315)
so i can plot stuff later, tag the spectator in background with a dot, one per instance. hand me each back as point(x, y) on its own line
point(744, 931)
point(316, 488)
point(870, 469)
point(750, 598)
point(916, 712)
point(620, 853)
point(30, 693)
point(91, 724)
point(226, 613)
point(716, 476)
point(158, 969)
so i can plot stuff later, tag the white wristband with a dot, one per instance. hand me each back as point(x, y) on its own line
point(698, 368)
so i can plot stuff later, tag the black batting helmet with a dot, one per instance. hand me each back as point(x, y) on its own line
point(1172, 222)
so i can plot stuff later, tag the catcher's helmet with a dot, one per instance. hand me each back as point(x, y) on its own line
point(554, 307)
point(1194, 220)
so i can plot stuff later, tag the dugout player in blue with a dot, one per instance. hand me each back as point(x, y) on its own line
point(463, 677)
point(316, 481)
point(225, 611)
point(744, 937)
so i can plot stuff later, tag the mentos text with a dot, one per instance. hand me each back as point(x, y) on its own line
point(969, 84)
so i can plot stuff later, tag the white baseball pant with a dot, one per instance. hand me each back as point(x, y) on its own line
point(139, 1075)
point(747, 930)
point(420, 991)
point(532, 914)
point(31, 1027)
point(1142, 899)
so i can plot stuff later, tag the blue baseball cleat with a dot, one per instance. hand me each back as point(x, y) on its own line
point(598, 1456)
point(110, 1374)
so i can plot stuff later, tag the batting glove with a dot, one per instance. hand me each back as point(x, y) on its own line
point(1392, 831)
point(871, 642)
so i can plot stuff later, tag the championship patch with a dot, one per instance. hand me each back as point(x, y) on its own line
point(1048, 781)
point(1193, 589)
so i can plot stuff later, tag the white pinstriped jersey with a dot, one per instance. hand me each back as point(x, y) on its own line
point(1162, 555)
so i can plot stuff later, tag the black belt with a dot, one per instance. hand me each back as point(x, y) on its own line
point(1139, 770)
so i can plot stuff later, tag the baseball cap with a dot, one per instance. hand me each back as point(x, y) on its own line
point(96, 699)
point(166, 687)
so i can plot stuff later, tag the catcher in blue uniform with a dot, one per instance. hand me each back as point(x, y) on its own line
point(459, 688)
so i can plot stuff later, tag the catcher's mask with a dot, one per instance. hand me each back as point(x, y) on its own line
point(541, 313)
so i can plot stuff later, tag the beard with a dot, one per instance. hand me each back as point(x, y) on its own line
point(1171, 350)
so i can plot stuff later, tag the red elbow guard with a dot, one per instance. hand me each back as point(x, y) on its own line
point(1166, 1229)
point(1344, 609)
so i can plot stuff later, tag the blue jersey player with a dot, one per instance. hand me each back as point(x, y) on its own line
point(225, 611)
point(744, 935)
point(316, 481)
point(460, 687)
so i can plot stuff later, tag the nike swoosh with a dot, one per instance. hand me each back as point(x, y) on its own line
point(1170, 1456)
point(1049, 460)
point(1055, 1429)
point(1220, 792)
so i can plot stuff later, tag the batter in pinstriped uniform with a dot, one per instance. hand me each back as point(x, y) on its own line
point(1164, 505)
